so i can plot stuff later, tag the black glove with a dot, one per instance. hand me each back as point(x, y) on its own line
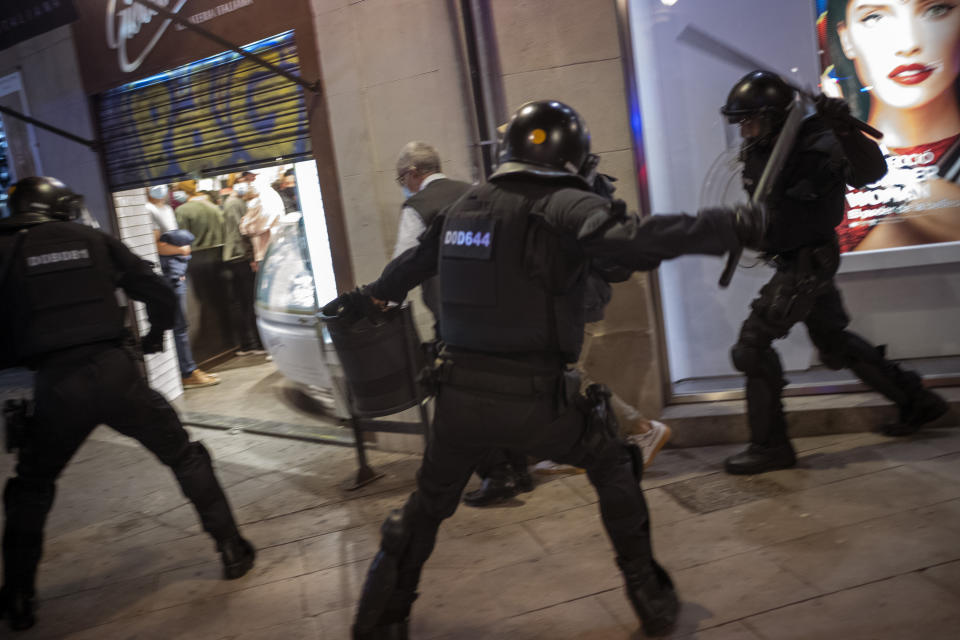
point(352, 307)
point(603, 185)
point(749, 222)
point(836, 113)
point(152, 342)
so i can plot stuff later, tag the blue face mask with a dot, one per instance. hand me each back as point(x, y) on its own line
point(406, 192)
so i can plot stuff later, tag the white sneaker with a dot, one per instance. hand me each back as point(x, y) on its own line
point(549, 467)
point(652, 441)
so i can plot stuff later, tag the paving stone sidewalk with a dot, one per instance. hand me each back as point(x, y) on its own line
point(861, 540)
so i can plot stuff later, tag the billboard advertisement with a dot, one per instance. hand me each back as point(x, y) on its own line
point(896, 63)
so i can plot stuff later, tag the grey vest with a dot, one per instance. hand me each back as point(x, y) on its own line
point(428, 202)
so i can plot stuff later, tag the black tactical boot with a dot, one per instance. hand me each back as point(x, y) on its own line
point(926, 407)
point(392, 624)
point(493, 490)
point(523, 480)
point(652, 595)
point(389, 631)
point(17, 606)
point(759, 458)
point(237, 555)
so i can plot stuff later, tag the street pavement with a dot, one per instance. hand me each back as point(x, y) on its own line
point(861, 540)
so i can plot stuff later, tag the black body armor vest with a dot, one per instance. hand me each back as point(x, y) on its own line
point(510, 282)
point(59, 292)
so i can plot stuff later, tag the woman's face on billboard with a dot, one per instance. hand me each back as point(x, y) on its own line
point(906, 51)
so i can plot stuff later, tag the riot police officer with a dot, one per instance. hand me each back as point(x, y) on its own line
point(512, 257)
point(804, 207)
point(61, 318)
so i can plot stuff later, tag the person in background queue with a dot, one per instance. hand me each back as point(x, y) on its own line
point(61, 318)
point(512, 257)
point(238, 272)
point(174, 249)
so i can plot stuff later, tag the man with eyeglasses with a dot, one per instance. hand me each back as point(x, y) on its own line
point(426, 191)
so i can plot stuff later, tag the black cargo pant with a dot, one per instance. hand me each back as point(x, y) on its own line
point(75, 391)
point(803, 290)
point(241, 289)
point(494, 407)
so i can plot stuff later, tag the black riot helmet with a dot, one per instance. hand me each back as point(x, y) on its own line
point(759, 94)
point(544, 138)
point(44, 196)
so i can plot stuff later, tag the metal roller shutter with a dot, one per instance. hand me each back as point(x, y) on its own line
point(209, 116)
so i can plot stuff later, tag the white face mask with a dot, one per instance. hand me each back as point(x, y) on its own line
point(241, 188)
point(180, 196)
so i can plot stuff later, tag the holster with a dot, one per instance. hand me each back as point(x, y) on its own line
point(595, 403)
point(17, 416)
point(812, 267)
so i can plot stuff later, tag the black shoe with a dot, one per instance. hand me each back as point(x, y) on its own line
point(390, 631)
point(237, 555)
point(650, 591)
point(492, 491)
point(524, 481)
point(17, 606)
point(926, 408)
point(759, 458)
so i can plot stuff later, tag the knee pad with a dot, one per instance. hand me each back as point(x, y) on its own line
point(193, 452)
point(394, 533)
point(749, 360)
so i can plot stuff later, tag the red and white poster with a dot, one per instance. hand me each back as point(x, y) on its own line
point(896, 63)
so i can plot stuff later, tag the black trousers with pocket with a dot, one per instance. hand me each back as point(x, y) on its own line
point(75, 391)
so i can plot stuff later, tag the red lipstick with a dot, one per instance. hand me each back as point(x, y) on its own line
point(909, 74)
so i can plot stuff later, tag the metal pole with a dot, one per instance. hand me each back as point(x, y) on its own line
point(49, 127)
point(186, 24)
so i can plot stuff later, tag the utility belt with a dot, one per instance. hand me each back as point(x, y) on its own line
point(509, 377)
point(804, 274)
point(495, 375)
point(818, 262)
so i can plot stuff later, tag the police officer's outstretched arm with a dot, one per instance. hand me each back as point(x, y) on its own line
point(411, 267)
point(401, 274)
point(139, 281)
point(641, 244)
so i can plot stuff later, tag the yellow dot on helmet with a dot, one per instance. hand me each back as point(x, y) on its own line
point(537, 136)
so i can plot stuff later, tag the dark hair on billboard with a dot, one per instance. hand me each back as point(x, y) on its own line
point(844, 70)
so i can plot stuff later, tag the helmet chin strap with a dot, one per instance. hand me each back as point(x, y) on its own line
point(767, 137)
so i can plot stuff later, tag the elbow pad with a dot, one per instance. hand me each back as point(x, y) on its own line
point(602, 219)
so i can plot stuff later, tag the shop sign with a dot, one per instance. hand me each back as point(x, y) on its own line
point(123, 40)
point(212, 115)
point(24, 19)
